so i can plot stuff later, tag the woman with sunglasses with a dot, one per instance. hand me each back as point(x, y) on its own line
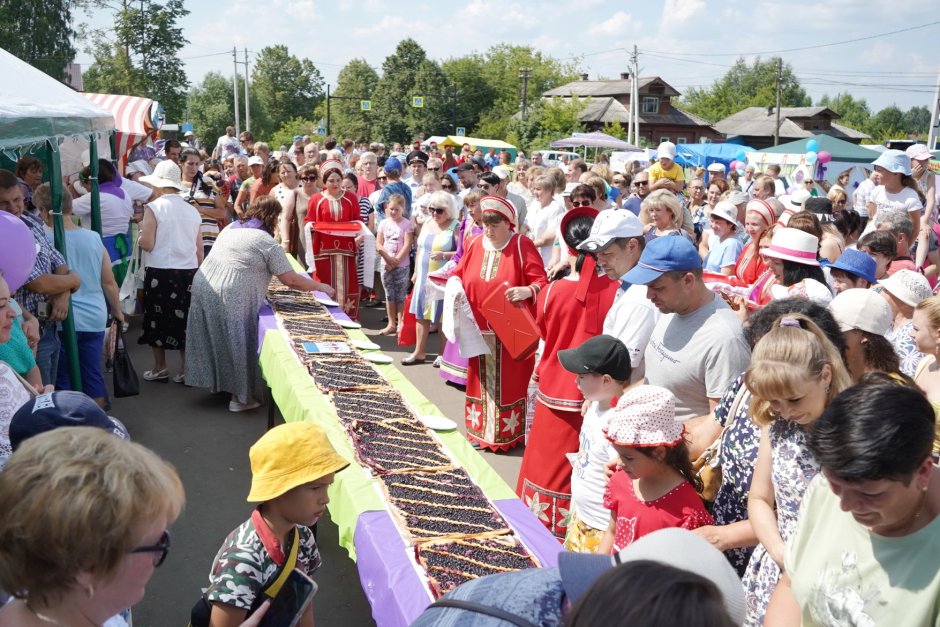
point(76, 551)
point(436, 244)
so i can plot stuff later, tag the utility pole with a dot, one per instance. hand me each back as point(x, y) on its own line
point(777, 123)
point(934, 118)
point(453, 111)
point(524, 76)
point(630, 114)
point(635, 99)
point(247, 104)
point(327, 110)
point(235, 90)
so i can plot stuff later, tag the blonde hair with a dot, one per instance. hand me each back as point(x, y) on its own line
point(447, 200)
point(663, 198)
point(77, 499)
point(473, 197)
point(931, 307)
point(602, 170)
point(597, 183)
point(785, 358)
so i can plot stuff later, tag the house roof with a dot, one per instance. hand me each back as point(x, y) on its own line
point(618, 87)
point(760, 122)
point(607, 110)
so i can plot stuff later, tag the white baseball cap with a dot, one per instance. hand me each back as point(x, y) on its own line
point(609, 225)
point(255, 160)
point(666, 150)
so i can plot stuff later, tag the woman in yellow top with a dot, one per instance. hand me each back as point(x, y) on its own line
point(926, 334)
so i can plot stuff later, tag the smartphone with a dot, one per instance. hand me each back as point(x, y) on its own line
point(291, 601)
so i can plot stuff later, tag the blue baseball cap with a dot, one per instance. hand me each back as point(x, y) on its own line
point(855, 262)
point(60, 409)
point(392, 165)
point(664, 254)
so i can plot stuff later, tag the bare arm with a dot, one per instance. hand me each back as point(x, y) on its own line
point(304, 283)
point(783, 609)
point(55, 283)
point(701, 431)
point(243, 195)
point(607, 544)
point(110, 288)
point(148, 230)
point(736, 535)
point(915, 218)
point(761, 502)
point(200, 251)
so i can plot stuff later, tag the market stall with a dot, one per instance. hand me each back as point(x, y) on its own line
point(393, 556)
point(137, 119)
point(821, 158)
point(477, 143)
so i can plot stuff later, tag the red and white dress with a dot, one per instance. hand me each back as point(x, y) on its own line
point(334, 252)
point(496, 383)
point(568, 313)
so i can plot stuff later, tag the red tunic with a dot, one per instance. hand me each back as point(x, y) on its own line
point(750, 265)
point(496, 383)
point(566, 319)
point(335, 255)
point(680, 507)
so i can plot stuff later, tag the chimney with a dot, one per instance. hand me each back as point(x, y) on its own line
point(625, 76)
point(584, 76)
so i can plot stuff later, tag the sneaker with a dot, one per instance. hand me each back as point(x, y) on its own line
point(235, 406)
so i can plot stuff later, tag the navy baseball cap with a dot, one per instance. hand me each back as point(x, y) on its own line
point(392, 165)
point(601, 354)
point(664, 254)
point(60, 409)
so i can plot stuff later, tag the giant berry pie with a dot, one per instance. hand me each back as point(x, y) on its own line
point(342, 374)
point(311, 325)
point(452, 562)
point(445, 504)
point(397, 446)
point(378, 404)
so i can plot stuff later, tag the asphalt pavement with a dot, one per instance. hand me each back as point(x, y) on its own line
point(208, 445)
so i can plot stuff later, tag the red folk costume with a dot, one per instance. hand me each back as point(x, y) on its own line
point(750, 264)
point(334, 251)
point(495, 404)
point(568, 313)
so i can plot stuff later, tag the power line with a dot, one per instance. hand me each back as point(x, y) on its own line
point(801, 48)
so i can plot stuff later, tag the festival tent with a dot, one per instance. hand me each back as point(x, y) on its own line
point(695, 155)
point(42, 117)
point(137, 119)
point(791, 157)
point(595, 140)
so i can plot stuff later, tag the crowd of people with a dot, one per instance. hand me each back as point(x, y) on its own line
point(724, 352)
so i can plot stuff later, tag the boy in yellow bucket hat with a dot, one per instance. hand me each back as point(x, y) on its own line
point(292, 465)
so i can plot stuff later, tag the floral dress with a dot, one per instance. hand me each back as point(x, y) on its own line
point(904, 346)
point(793, 467)
point(738, 455)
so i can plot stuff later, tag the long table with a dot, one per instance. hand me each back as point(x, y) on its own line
point(391, 582)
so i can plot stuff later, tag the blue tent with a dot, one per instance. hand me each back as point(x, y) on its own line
point(694, 155)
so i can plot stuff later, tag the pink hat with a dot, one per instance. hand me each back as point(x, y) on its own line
point(793, 245)
point(919, 152)
point(763, 209)
point(645, 416)
point(497, 204)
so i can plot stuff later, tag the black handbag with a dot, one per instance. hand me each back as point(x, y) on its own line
point(125, 377)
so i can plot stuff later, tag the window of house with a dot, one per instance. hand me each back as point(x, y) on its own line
point(650, 104)
point(663, 139)
point(682, 140)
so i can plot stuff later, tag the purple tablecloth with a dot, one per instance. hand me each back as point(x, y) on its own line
point(267, 321)
point(394, 590)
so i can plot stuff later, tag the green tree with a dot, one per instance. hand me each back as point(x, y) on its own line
point(406, 73)
point(917, 121)
point(40, 33)
point(852, 113)
point(746, 86)
point(549, 119)
point(356, 80)
point(475, 96)
point(143, 59)
point(211, 107)
point(887, 124)
point(289, 87)
point(294, 126)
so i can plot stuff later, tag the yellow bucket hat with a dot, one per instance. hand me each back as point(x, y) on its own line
point(290, 455)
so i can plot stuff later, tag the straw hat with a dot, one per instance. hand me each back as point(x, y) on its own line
point(907, 286)
point(165, 174)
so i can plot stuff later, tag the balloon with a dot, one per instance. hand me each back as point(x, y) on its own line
point(733, 165)
point(741, 156)
point(811, 157)
point(824, 156)
point(18, 253)
point(740, 166)
point(812, 145)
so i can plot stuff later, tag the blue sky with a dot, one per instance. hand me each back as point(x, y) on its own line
point(689, 43)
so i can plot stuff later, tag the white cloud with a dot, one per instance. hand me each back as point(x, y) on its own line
point(615, 25)
point(680, 10)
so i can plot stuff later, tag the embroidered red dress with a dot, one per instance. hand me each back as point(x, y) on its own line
point(568, 313)
point(750, 265)
point(496, 383)
point(334, 253)
point(680, 507)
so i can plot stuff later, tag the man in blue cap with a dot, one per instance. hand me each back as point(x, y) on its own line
point(697, 347)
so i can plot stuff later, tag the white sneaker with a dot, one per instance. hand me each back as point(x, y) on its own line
point(235, 406)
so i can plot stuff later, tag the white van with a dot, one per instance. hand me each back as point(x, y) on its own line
point(552, 157)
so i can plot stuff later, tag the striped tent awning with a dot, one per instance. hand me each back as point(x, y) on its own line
point(135, 119)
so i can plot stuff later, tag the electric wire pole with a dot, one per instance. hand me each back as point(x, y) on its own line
point(777, 123)
point(934, 121)
point(524, 74)
point(247, 104)
point(634, 99)
point(235, 90)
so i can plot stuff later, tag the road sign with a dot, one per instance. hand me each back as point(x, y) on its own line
point(365, 105)
point(417, 102)
point(461, 131)
point(321, 131)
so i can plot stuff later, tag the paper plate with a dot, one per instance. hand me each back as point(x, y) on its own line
point(329, 302)
point(438, 423)
point(348, 324)
point(365, 345)
point(377, 358)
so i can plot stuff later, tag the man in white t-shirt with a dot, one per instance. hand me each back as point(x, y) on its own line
point(697, 347)
point(863, 192)
point(617, 241)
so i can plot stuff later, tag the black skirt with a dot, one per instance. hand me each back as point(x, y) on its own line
point(167, 293)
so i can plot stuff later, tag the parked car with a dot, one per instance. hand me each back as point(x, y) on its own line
point(554, 157)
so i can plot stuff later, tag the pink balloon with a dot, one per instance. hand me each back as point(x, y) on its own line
point(18, 252)
point(824, 156)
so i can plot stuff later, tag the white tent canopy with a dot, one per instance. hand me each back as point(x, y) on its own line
point(35, 107)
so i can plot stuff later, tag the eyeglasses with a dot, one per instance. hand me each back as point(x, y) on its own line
point(437, 210)
point(159, 550)
point(641, 182)
point(434, 169)
point(580, 203)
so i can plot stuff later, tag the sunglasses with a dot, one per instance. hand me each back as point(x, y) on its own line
point(437, 210)
point(580, 203)
point(434, 169)
point(447, 188)
point(308, 179)
point(486, 186)
point(641, 182)
point(159, 550)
